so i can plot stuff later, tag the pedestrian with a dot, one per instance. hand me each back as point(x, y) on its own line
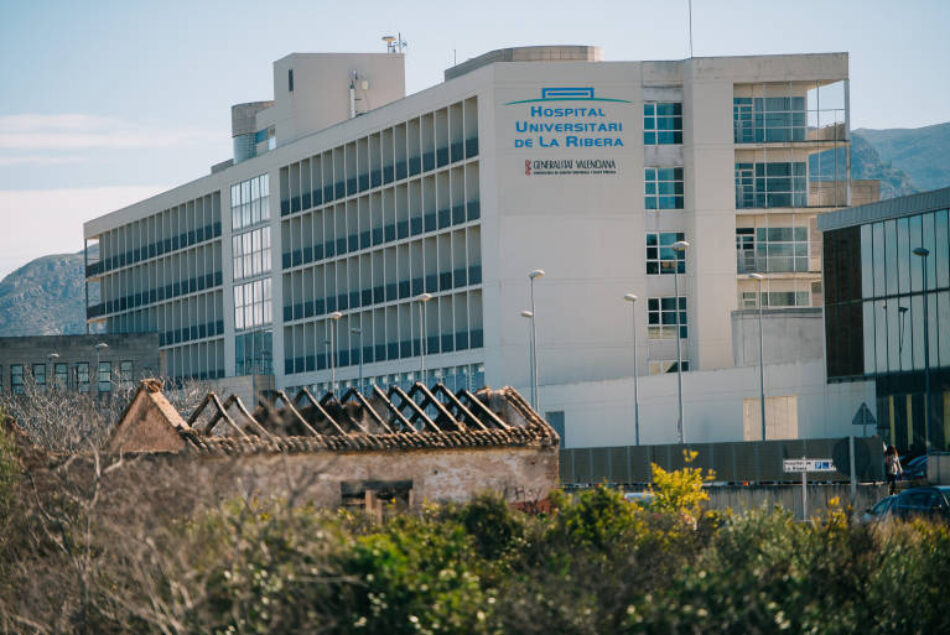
point(892, 469)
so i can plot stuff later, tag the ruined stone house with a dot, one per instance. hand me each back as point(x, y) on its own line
point(393, 449)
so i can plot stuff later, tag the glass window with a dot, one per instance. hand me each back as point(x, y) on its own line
point(39, 374)
point(16, 378)
point(660, 255)
point(781, 249)
point(768, 119)
point(662, 316)
point(252, 304)
point(125, 374)
point(251, 253)
point(82, 376)
point(782, 184)
point(104, 378)
point(60, 378)
point(663, 188)
point(250, 202)
point(662, 123)
point(556, 419)
point(659, 367)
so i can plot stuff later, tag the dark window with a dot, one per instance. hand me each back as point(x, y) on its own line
point(290, 80)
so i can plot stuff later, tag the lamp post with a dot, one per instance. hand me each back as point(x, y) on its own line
point(50, 374)
point(422, 299)
point(335, 316)
point(101, 346)
point(679, 247)
point(529, 315)
point(359, 335)
point(758, 277)
point(632, 299)
point(535, 396)
point(923, 253)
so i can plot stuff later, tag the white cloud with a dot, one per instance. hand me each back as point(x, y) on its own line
point(36, 223)
point(34, 132)
point(39, 159)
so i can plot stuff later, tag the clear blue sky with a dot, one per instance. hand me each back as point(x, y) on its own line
point(103, 102)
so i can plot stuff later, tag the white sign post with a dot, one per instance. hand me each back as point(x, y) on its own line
point(806, 465)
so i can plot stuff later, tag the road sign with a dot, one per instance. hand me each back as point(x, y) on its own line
point(864, 416)
point(808, 465)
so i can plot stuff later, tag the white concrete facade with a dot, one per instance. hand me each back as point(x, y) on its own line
point(508, 203)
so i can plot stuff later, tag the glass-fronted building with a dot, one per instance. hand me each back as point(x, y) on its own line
point(887, 311)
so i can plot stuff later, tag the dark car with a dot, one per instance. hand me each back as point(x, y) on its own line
point(879, 511)
point(915, 468)
point(929, 502)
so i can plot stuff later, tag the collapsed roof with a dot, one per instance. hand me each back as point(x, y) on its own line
point(394, 419)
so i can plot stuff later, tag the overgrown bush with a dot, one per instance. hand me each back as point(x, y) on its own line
point(593, 564)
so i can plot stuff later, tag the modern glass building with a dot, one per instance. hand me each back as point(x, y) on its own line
point(887, 311)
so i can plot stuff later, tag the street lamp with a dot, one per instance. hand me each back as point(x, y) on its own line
point(335, 316)
point(758, 277)
point(530, 316)
point(535, 396)
point(359, 334)
point(50, 374)
point(632, 299)
point(679, 247)
point(422, 299)
point(923, 253)
point(101, 346)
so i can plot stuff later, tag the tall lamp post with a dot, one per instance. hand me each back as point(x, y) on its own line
point(535, 397)
point(422, 299)
point(632, 299)
point(359, 337)
point(335, 316)
point(101, 346)
point(758, 277)
point(923, 253)
point(51, 373)
point(679, 247)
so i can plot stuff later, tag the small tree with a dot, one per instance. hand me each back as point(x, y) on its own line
point(680, 491)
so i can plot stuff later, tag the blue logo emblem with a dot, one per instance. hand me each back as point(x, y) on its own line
point(567, 94)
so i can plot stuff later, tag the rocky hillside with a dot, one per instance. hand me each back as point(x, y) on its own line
point(923, 153)
point(44, 297)
point(867, 163)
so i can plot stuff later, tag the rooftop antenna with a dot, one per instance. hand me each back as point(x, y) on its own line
point(691, 29)
point(395, 43)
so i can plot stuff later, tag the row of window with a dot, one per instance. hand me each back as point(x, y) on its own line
point(768, 119)
point(455, 378)
point(377, 178)
point(416, 226)
point(424, 143)
point(175, 228)
point(167, 292)
point(404, 349)
point(193, 332)
point(62, 379)
point(391, 292)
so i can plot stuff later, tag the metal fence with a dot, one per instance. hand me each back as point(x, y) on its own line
point(733, 462)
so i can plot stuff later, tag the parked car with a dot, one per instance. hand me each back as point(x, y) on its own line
point(880, 510)
point(643, 498)
point(930, 502)
point(915, 468)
